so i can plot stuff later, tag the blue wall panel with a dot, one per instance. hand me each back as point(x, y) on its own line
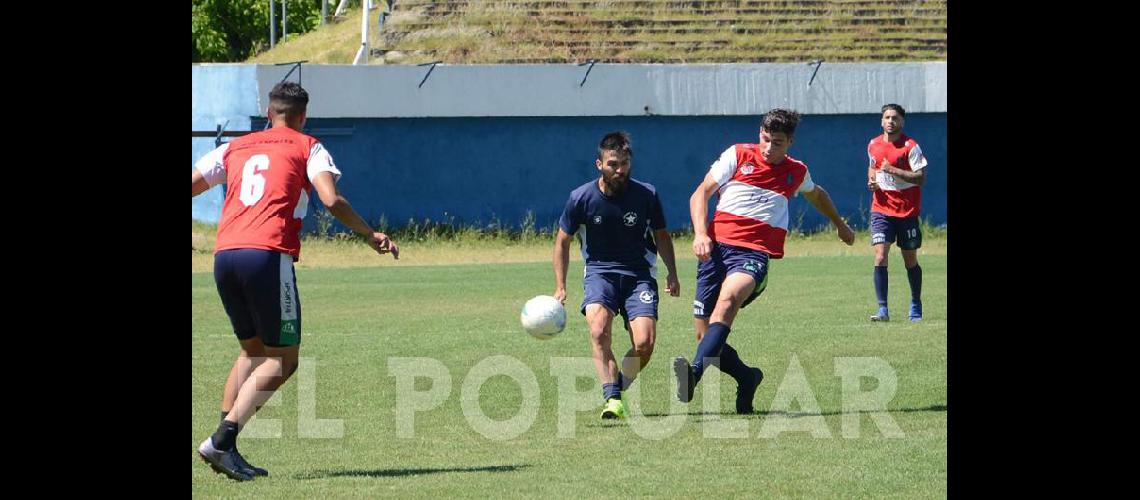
point(221, 94)
point(479, 169)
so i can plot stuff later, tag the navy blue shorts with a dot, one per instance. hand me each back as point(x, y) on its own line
point(723, 261)
point(886, 229)
point(629, 296)
point(259, 291)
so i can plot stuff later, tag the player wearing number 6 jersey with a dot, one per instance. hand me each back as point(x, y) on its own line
point(269, 176)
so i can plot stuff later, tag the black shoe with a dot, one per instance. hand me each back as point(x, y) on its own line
point(686, 381)
point(746, 390)
point(223, 462)
point(251, 469)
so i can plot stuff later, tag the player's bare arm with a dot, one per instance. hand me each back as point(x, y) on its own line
point(561, 262)
point(198, 184)
point(819, 199)
point(872, 185)
point(698, 212)
point(665, 250)
point(340, 208)
point(916, 178)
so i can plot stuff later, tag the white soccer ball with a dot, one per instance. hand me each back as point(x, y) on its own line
point(543, 317)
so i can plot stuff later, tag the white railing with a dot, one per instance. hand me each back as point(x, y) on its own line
point(362, 53)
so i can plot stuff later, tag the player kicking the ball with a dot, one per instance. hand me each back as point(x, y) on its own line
point(623, 232)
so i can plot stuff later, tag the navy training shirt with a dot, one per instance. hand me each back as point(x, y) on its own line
point(618, 235)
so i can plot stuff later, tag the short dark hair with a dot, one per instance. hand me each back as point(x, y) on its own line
point(288, 98)
point(898, 109)
point(616, 141)
point(781, 120)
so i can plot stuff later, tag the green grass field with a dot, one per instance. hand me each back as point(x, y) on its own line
point(356, 318)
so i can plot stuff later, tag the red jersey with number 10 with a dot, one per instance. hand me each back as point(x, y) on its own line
point(895, 197)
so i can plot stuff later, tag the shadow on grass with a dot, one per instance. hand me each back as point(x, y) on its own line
point(405, 472)
point(788, 414)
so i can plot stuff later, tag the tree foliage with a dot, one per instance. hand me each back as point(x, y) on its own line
point(235, 30)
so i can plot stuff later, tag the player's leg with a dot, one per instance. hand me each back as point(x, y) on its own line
point(882, 235)
point(642, 334)
point(278, 365)
point(910, 240)
point(600, 321)
point(700, 326)
point(747, 378)
point(251, 355)
point(641, 310)
point(732, 293)
point(231, 290)
point(269, 291)
point(734, 290)
point(710, 274)
point(270, 375)
point(219, 450)
point(914, 276)
point(239, 310)
point(643, 338)
point(600, 304)
point(747, 277)
point(881, 279)
point(737, 287)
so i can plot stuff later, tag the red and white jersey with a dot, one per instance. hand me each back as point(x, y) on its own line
point(895, 197)
point(752, 210)
point(269, 177)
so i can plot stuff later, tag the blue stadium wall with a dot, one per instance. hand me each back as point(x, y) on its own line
point(495, 169)
point(226, 95)
point(477, 170)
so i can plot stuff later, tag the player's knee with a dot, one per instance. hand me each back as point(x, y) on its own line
point(289, 367)
point(644, 348)
point(725, 306)
point(253, 352)
point(599, 336)
point(880, 260)
point(279, 379)
point(253, 348)
point(288, 361)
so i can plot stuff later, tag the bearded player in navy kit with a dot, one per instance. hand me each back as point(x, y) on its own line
point(624, 231)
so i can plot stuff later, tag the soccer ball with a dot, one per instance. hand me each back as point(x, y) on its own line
point(543, 317)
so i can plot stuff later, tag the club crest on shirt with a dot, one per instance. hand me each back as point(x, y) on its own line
point(747, 168)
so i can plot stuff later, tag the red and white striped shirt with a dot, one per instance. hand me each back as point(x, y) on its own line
point(752, 210)
point(895, 197)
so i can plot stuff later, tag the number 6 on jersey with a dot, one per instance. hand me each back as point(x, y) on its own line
point(253, 183)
